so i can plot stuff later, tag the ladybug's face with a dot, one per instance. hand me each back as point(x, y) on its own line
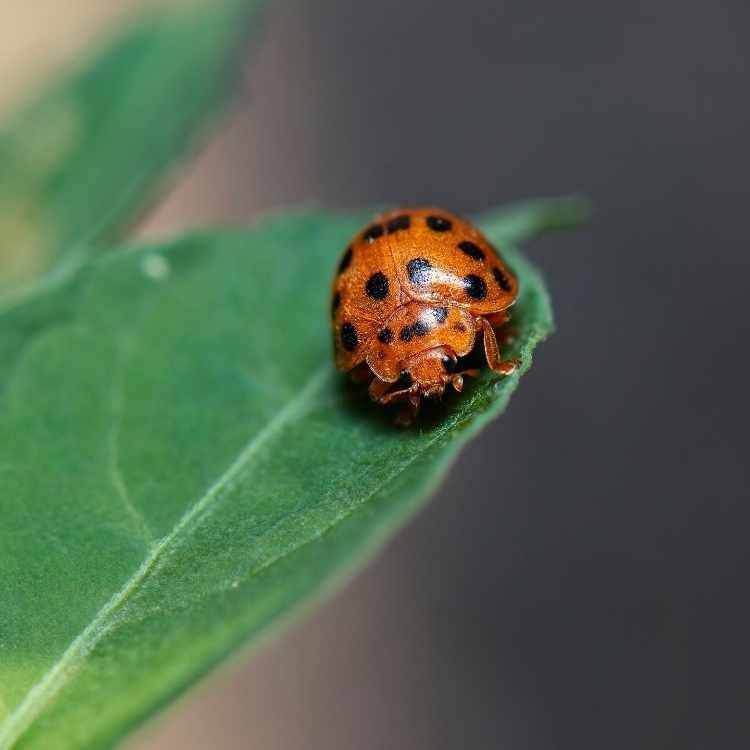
point(429, 370)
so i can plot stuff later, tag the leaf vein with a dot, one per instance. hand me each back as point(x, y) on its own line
point(117, 408)
point(73, 658)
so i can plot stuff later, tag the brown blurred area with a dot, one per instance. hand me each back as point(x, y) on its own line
point(579, 582)
point(37, 36)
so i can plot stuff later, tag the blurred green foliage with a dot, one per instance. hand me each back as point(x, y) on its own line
point(82, 160)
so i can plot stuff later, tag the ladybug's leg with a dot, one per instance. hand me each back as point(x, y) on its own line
point(499, 321)
point(408, 394)
point(408, 414)
point(456, 379)
point(411, 396)
point(378, 388)
point(492, 350)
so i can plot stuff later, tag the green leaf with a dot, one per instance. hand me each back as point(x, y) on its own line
point(520, 221)
point(79, 163)
point(182, 465)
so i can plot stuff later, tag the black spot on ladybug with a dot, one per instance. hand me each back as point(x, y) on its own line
point(335, 303)
point(472, 250)
point(372, 233)
point(385, 335)
point(460, 327)
point(502, 280)
point(377, 286)
point(346, 260)
point(399, 222)
point(419, 270)
point(449, 364)
point(440, 314)
point(420, 328)
point(349, 339)
point(475, 287)
point(406, 333)
point(404, 379)
point(439, 224)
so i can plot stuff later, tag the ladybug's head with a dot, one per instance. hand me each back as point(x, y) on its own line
point(431, 370)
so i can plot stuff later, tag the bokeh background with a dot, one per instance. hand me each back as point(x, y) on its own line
point(581, 579)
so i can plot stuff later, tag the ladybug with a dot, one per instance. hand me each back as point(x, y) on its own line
point(412, 293)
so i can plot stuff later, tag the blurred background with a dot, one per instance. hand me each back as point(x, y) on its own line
point(580, 581)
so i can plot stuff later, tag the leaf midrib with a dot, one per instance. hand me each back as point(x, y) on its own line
point(67, 666)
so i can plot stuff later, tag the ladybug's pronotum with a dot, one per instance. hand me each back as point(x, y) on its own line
point(412, 293)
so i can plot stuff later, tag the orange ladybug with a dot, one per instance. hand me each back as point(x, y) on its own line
point(412, 293)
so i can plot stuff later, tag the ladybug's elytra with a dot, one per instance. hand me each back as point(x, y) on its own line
point(412, 293)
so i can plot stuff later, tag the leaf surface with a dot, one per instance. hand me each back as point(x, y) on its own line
point(181, 465)
point(79, 162)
